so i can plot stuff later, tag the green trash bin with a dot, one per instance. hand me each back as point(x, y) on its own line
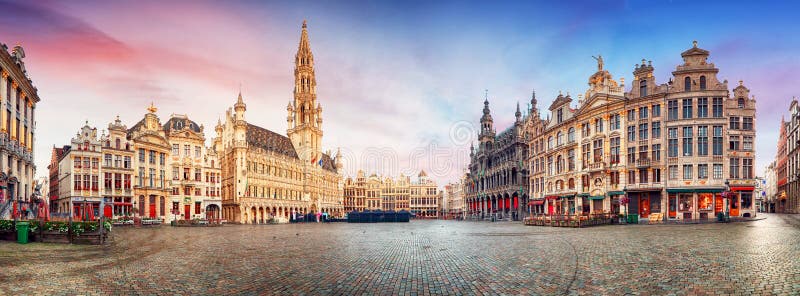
point(633, 218)
point(22, 232)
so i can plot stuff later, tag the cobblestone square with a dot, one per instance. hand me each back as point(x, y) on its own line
point(419, 258)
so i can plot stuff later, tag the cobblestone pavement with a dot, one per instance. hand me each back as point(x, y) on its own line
point(418, 258)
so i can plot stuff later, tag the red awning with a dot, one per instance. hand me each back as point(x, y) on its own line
point(552, 197)
point(536, 203)
point(742, 188)
point(123, 204)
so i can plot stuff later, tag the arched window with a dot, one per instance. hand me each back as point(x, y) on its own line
point(550, 142)
point(687, 84)
point(702, 82)
point(571, 183)
point(741, 103)
point(571, 135)
point(559, 139)
point(643, 87)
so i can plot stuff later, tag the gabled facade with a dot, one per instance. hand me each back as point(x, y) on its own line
point(118, 171)
point(150, 184)
point(80, 176)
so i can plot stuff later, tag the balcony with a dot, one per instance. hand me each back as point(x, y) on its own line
point(643, 163)
point(596, 166)
point(645, 186)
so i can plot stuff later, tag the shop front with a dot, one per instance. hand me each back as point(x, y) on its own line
point(552, 204)
point(644, 203)
point(695, 203)
point(567, 204)
point(742, 201)
point(615, 201)
point(87, 208)
point(536, 206)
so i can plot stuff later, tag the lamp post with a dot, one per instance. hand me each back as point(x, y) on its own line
point(727, 202)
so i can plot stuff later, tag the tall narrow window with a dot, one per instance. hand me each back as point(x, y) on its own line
point(702, 140)
point(741, 103)
point(687, 84)
point(672, 110)
point(672, 144)
point(702, 107)
point(734, 173)
point(643, 131)
point(702, 82)
point(643, 87)
point(687, 141)
point(717, 107)
point(687, 108)
point(717, 144)
point(656, 130)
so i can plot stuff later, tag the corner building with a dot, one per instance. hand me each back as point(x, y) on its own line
point(18, 99)
point(668, 149)
point(266, 175)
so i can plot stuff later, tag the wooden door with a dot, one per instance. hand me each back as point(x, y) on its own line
point(152, 210)
point(644, 206)
point(186, 212)
point(673, 206)
point(107, 212)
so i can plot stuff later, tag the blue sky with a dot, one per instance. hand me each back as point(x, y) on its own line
point(391, 75)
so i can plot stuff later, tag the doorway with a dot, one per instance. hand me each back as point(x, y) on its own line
point(644, 206)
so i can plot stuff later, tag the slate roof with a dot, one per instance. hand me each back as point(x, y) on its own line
point(269, 141)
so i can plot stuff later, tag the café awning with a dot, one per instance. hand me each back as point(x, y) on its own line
point(616, 193)
point(742, 188)
point(594, 197)
point(537, 202)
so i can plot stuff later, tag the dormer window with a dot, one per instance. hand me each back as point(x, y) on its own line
point(741, 103)
point(687, 84)
point(702, 82)
point(560, 115)
point(643, 87)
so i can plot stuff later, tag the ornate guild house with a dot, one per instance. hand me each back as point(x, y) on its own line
point(682, 150)
point(267, 176)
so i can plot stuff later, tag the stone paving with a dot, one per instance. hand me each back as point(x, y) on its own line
point(418, 258)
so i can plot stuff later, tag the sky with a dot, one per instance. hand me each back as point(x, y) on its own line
point(401, 83)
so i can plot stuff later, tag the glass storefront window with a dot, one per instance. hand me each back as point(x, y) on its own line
point(705, 201)
point(685, 203)
point(734, 202)
point(747, 200)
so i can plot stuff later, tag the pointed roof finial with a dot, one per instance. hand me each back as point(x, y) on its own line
point(694, 43)
point(486, 96)
point(304, 23)
point(152, 108)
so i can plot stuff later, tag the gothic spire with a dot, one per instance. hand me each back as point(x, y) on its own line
point(304, 48)
point(518, 114)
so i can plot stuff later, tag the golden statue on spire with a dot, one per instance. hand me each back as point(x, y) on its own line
point(152, 108)
point(599, 59)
